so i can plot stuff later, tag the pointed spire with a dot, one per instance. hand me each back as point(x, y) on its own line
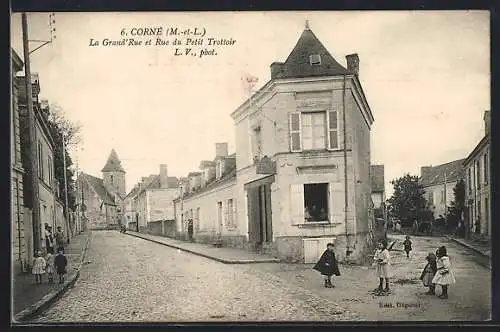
point(113, 164)
point(307, 25)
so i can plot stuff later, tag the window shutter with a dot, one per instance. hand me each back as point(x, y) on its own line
point(234, 213)
point(297, 203)
point(295, 134)
point(333, 129)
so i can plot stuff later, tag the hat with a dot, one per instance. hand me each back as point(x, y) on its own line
point(431, 256)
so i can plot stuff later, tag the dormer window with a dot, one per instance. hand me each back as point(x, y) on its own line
point(219, 170)
point(111, 179)
point(315, 59)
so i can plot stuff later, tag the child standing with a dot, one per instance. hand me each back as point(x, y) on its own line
point(50, 267)
point(327, 265)
point(60, 263)
point(382, 263)
point(444, 275)
point(407, 245)
point(38, 267)
point(428, 273)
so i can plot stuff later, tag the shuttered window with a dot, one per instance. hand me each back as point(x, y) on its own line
point(314, 130)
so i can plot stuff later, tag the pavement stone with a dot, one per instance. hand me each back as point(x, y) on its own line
point(28, 297)
point(223, 255)
point(128, 279)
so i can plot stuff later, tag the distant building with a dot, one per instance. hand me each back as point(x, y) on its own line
point(101, 200)
point(477, 185)
point(301, 173)
point(378, 185)
point(438, 183)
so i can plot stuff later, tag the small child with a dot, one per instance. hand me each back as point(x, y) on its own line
point(327, 265)
point(382, 263)
point(444, 275)
point(60, 263)
point(38, 267)
point(428, 273)
point(407, 244)
point(50, 267)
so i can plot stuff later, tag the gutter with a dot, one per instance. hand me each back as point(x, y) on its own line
point(346, 196)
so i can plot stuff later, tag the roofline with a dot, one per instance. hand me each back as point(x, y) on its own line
point(16, 59)
point(93, 189)
point(482, 143)
point(212, 185)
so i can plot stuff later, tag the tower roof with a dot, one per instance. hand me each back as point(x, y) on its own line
point(298, 65)
point(113, 164)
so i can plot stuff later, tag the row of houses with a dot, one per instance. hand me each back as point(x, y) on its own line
point(50, 200)
point(300, 175)
point(439, 181)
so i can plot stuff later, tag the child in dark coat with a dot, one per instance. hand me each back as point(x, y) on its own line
point(60, 263)
point(327, 265)
point(407, 245)
point(429, 272)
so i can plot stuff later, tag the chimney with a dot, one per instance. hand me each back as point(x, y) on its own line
point(424, 170)
point(163, 176)
point(221, 150)
point(487, 122)
point(353, 63)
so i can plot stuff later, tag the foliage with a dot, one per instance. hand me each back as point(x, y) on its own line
point(407, 202)
point(62, 128)
point(457, 206)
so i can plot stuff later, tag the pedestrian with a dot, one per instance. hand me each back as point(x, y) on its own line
point(327, 265)
point(428, 273)
point(49, 267)
point(59, 239)
point(38, 267)
point(49, 239)
point(60, 263)
point(444, 276)
point(382, 261)
point(407, 246)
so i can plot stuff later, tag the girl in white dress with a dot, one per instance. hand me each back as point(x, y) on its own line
point(444, 276)
point(382, 262)
point(38, 267)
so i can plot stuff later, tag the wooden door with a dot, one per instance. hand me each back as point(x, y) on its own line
point(254, 227)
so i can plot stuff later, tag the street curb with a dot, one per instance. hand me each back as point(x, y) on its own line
point(468, 246)
point(221, 260)
point(49, 298)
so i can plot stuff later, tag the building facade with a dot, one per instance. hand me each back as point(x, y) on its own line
point(302, 166)
point(19, 254)
point(477, 186)
point(438, 183)
point(101, 200)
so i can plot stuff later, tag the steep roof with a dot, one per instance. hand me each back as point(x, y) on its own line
point(377, 178)
point(98, 186)
point(433, 175)
point(113, 164)
point(297, 64)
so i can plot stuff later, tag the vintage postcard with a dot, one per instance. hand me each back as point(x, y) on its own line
point(250, 166)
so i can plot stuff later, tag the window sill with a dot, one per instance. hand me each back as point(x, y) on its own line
point(317, 224)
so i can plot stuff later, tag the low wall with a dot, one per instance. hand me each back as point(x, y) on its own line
point(163, 228)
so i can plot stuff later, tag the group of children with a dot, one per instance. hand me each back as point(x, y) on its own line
point(48, 264)
point(437, 271)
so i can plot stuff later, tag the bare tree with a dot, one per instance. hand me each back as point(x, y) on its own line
point(70, 130)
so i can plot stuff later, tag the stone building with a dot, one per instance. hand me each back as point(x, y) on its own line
point(19, 254)
point(438, 183)
point(301, 174)
point(101, 200)
point(477, 186)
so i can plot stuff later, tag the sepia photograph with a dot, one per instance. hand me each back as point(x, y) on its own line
point(264, 166)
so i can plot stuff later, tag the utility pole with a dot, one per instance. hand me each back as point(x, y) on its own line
point(65, 188)
point(32, 139)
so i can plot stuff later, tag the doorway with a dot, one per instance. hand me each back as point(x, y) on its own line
point(260, 227)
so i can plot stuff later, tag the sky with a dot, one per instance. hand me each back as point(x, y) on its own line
point(426, 76)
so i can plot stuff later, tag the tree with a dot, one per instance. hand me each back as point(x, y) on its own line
point(62, 128)
point(457, 206)
point(407, 202)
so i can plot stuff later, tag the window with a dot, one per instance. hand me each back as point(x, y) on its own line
point(256, 144)
point(431, 198)
point(486, 210)
point(219, 214)
point(219, 169)
point(197, 220)
point(40, 161)
point(478, 176)
point(315, 59)
point(486, 166)
point(470, 180)
point(49, 164)
point(315, 202)
point(443, 198)
point(229, 213)
point(111, 179)
point(314, 131)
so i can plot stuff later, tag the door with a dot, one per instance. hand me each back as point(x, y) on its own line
point(254, 224)
point(219, 219)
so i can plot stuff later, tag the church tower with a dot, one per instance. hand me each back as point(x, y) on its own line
point(113, 175)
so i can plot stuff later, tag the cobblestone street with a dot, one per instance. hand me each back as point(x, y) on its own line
point(131, 279)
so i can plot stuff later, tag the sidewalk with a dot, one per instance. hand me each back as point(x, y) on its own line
point(223, 255)
point(29, 298)
point(480, 248)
